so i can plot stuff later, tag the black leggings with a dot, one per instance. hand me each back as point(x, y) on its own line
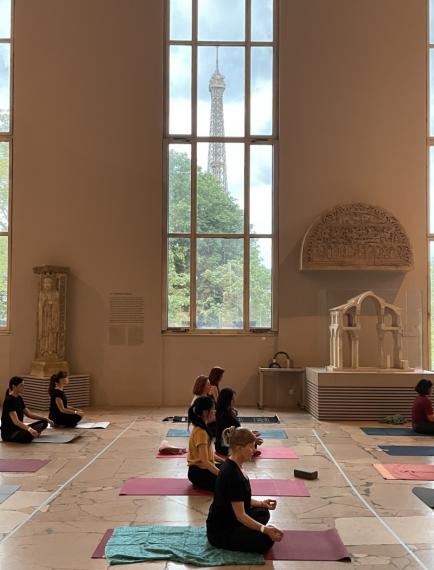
point(202, 478)
point(424, 427)
point(23, 436)
point(242, 538)
point(66, 420)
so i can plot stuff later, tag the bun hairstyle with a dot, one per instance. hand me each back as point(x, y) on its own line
point(232, 436)
point(13, 382)
point(195, 411)
point(199, 385)
point(423, 387)
point(216, 375)
point(55, 379)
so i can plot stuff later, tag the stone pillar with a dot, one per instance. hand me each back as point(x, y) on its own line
point(51, 322)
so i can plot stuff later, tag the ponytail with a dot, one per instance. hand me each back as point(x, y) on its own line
point(195, 411)
point(55, 378)
point(233, 436)
point(13, 382)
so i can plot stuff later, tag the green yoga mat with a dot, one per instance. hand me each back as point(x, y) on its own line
point(184, 544)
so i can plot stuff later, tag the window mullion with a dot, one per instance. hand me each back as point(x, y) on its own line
point(247, 59)
point(193, 213)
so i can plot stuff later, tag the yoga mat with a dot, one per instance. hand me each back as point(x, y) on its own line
point(425, 495)
point(408, 450)
point(185, 544)
point(405, 471)
point(99, 550)
point(60, 438)
point(309, 545)
point(243, 419)
point(22, 465)
point(6, 491)
point(92, 425)
point(392, 431)
point(183, 487)
point(266, 434)
point(266, 453)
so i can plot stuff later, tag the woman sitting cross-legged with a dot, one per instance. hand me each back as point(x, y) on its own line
point(235, 520)
point(226, 416)
point(422, 416)
point(60, 413)
point(13, 428)
point(202, 471)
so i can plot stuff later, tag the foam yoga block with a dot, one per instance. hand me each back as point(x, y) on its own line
point(303, 473)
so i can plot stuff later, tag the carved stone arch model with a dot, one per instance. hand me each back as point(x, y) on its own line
point(356, 237)
point(345, 319)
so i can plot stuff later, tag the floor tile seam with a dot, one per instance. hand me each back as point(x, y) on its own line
point(369, 507)
point(58, 491)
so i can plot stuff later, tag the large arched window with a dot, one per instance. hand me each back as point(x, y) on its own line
point(221, 156)
point(5, 154)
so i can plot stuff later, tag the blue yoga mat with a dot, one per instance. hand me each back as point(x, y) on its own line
point(266, 434)
point(392, 431)
point(408, 450)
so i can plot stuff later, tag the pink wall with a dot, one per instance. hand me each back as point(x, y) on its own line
point(88, 177)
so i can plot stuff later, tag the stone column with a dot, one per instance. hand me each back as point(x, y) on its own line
point(51, 322)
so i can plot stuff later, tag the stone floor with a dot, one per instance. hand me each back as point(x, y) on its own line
point(56, 519)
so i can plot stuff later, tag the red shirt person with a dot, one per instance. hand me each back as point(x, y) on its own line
point(422, 415)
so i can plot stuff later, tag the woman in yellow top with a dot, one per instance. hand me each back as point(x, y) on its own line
point(202, 471)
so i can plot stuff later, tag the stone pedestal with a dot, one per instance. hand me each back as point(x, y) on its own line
point(51, 322)
point(361, 395)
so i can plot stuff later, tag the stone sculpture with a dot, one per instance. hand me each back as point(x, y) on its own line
point(51, 321)
point(345, 319)
point(356, 237)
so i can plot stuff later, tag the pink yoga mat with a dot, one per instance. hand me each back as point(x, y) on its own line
point(183, 487)
point(405, 471)
point(22, 465)
point(266, 453)
point(309, 545)
point(100, 549)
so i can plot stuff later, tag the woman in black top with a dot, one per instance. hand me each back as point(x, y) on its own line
point(226, 416)
point(60, 413)
point(235, 520)
point(14, 409)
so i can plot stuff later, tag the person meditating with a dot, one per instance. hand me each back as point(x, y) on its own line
point(215, 377)
point(13, 428)
point(202, 471)
point(60, 413)
point(226, 416)
point(202, 387)
point(422, 417)
point(235, 520)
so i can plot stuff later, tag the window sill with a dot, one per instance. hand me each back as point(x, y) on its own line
point(208, 333)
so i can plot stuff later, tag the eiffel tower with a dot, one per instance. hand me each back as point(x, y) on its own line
point(217, 150)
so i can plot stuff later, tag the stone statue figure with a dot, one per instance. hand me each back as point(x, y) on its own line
point(51, 321)
point(48, 320)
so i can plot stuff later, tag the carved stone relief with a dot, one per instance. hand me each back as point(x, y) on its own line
point(51, 321)
point(356, 237)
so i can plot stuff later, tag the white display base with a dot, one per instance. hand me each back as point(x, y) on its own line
point(36, 394)
point(361, 395)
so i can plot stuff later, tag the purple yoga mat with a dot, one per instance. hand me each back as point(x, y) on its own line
point(22, 465)
point(309, 545)
point(100, 549)
point(183, 487)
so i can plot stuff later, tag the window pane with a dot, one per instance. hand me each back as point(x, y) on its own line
point(4, 186)
point(431, 189)
point(180, 19)
point(180, 90)
point(261, 115)
point(178, 282)
point(5, 65)
point(431, 21)
point(3, 280)
point(262, 20)
point(219, 283)
point(261, 189)
point(431, 272)
point(5, 19)
point(260, 282)
point(220, 84)
point(220, 188)
point(221, 20)
point(179, 188)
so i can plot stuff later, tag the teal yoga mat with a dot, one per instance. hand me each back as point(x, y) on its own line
point(184, 544)
point(393, 431)
point(265, 434)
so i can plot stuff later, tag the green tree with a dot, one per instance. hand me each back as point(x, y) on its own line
point(220, 277)
point(4, 224)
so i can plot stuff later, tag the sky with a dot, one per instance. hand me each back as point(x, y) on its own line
point(223, 20)
point(5, 31)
